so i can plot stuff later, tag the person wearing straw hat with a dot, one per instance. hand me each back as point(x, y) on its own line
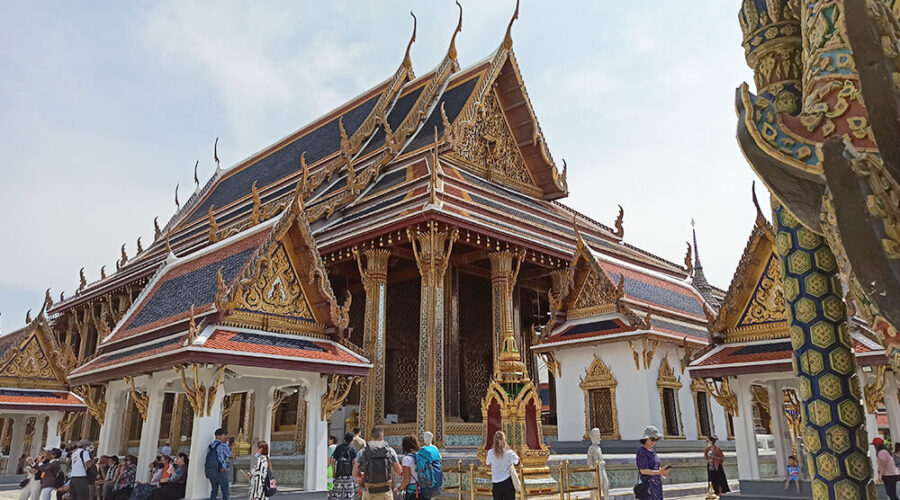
point(648, 463)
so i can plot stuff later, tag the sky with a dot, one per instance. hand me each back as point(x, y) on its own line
point(105, 107)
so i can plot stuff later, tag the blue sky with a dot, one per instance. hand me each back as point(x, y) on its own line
point(105, 106)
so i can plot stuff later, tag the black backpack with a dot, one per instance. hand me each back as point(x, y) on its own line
point(376, 468)
point(343, 461)
point(211, 465)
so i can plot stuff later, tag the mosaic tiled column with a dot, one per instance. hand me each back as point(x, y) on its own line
point(503, 279)
point(374, 278)
point(824, 364)
point(432, 249)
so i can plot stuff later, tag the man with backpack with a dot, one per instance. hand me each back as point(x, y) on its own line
point(430, 470)
point(341, 462)
point(216, 465)
point(375, 465)
point(81, 463)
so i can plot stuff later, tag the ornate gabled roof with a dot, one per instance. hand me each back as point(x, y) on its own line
point(31, 359)
point(754, 307)
point(594, 306)
point(269, 276)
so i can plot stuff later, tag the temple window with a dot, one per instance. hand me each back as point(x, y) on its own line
point(599, 388)
point(702, 409)
point(762, 419)
point(165, 425)
point(729, 425)
point(286, 416)
point(669, 386)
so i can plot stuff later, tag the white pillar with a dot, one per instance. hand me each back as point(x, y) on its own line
point(202, 434)
point(53, 437)
point(316, 437)
point(871, 422)
point(17, 443)
point(892, 405)
point(150, 429)
point(262, 412)
point(779, 426)
point(38, 436)
point(111, 430)
point(744, 432)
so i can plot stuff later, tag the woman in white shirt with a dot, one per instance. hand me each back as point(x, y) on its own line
point(409, 486)
point(500, 457)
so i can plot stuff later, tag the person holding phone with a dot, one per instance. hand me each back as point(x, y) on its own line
point(648, 463)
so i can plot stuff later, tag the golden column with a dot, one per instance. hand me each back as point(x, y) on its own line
point(432, 249)
point(504, 271)
point(374, 279)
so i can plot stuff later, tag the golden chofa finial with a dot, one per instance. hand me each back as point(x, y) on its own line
point(83, 280)
point(760, 218)
point(156, 230)
point(407, 62)
point(124, 255)
point(48, 300)
point(507, 40)
point(28, 316)
point(451, 53)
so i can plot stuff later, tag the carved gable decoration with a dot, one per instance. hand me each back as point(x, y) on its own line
point(766, 305)
point(489, 148)
point(27, 363)
point(754, 306)
point(277, 288)
point(597, 294)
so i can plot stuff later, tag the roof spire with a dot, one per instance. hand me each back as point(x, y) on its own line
point(507, 40)
point(452, 51)
point(406, 59)
point(698, 279)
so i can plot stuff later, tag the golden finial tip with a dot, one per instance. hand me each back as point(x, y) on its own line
point(407, 61)
point(507, 40)
point(452, 52)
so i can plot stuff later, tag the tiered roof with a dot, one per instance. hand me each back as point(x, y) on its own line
point(258, 298)
point(32, 371)
point(598, 299)
point(751, 327)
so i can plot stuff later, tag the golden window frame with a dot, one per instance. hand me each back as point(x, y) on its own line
point(667, 380)
point(599, 376)
point(698, 386)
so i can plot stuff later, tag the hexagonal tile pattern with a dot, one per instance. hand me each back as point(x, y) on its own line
point(783, 244)
point(833, 308)
point(814, 362)
point(844, 335)
point(808, 239)
point(825, 260)
point(849, 413)
point(811, 439)
point(822, 334)
point(799, 263)
point(819, 412)
point(788, 219)
point(798, 337)
point(842, 361)
point(858, 466)
point(805, 310)
point(846, 489)
point(827, 466)
point(819, 488)
point(830, 386)
point(791, 288)
point(804, 389)
point(838, 438)
point(816, 284)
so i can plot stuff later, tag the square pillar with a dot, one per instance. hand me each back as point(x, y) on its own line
point(203, 431)
point(316, 438)
point(263, 402)
point(374, 278)
point(53, 437)
point(432, 248)
point(111, 429)
point(17, 444)
point(779, 426)
point(150, 429)
point(744, 432)
point(38, 437)
point(892, 405)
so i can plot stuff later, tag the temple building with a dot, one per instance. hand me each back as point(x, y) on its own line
point(749, 367)
point(36, 406)
point(394, 262)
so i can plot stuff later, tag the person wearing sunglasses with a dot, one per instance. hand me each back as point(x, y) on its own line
point(648, 463)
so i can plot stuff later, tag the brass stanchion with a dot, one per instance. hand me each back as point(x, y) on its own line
point(561, 483)
point(459, 473)
point(711, 494)
point(472, 481)
point(568, 496)
point(599, 484)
